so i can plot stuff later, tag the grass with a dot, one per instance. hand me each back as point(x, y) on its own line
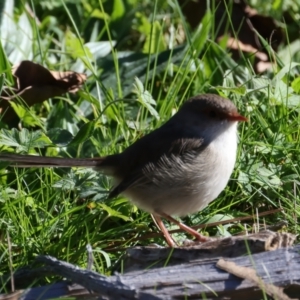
point(58, 212)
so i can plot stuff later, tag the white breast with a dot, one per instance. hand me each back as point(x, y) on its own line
point(223, 149)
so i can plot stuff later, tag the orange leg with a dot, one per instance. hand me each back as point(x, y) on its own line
point(164, 230)
point(186, 228)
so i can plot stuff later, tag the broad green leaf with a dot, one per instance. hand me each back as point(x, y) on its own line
point(265, 172)
point(284, 71)
point(132, 64)
point(84, 133)
point(16, 36)
point(23, 140)
point(60, 137)
point(65, 184)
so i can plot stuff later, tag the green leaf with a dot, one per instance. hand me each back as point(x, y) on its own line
point(75, 46)
point(118, 10)
point(284, 71)
point(265, 172)
point(202, 33)
point(67, 184)
point(16, 35)
point(84, 133)
point(296, 85)
point(5, 66)
point(2, 78)
point(144, 97)
point(112, 212)
point(241, 90)
point(60, 137)
point(132, 64)
point(218, 218)
point(154, 40)
point(97, 13)
point(143, 25)
point(23, 140)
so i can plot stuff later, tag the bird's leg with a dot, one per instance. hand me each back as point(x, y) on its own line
point(164, 230)
point(186, 228)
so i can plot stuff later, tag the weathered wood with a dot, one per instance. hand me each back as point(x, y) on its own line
point(189, 277)
point(280, 267)
point(140, 258)
point(191, 280)
point(111, 287)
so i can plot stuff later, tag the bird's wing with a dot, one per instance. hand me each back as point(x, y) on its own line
point(164, 153)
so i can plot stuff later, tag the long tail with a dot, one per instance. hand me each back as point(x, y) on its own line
point(19, 160)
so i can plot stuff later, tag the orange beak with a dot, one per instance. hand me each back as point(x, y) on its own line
point(237, 117)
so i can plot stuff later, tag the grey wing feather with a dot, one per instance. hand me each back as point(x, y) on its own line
point(163, 167)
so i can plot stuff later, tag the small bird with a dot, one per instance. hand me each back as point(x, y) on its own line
point(176, 169)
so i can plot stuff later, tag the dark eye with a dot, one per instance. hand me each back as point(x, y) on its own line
point(212, 114)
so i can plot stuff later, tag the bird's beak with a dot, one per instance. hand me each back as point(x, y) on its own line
point(236, 117)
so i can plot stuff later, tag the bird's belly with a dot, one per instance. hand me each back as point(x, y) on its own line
point(182, 198)
point(186, 188)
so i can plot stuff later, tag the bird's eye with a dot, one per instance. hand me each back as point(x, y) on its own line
point(212, 114)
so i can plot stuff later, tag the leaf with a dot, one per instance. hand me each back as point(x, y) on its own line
point(154, 40)
point(113, 213)
point(2, 78)
point(218, 218)
point(145, 98)
point(8, 194)
point(133, 65)
point(34, 84)
point(84, 133)
point(118, 10)
point(202, 33)
point(100, 49)
point(265, 172)
point(23, 140)
point(243, 177)
point(284, 71)
point(75, 46)
point(65, 184)
point(5, 67)
point(143, 25)
point(222, 230)
point(296, 85)
point(106, 256)
point(241, 90)
point(293, 101)
point(60, 137)
point(97, 13)
point(16, 36)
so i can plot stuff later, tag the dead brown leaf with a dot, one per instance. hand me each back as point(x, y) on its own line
point(34, 84)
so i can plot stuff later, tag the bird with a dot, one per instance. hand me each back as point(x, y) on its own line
point(175, 170)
